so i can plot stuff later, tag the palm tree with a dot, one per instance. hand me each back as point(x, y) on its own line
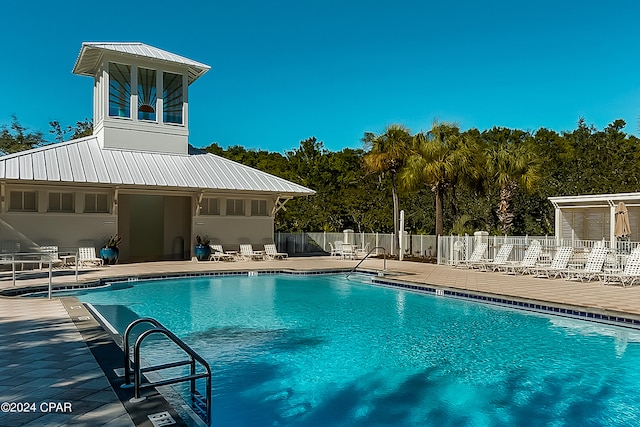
point(440, 158)
point(387, 154)
point(511, 164)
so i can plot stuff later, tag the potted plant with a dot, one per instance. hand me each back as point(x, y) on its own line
point(203, 250)
point(110, 252)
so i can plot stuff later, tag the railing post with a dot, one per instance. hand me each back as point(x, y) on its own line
point(193, 372)
point(50, 277)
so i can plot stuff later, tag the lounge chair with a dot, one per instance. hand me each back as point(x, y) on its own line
point(271, 252)
point(50, 255)
point(592, 268)
point(558, 265)
point(499, 261)
point(528, 262)
point(248, 254)
point(476, 257)
point(630, 274)
point(87, 257)
point(337, 247)
point(218, 254)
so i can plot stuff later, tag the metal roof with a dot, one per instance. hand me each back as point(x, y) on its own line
point(82, 161)
point(91, 55)
point(596, 200)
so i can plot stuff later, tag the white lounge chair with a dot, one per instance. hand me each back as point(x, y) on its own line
point(337, 247)
point(218, 254)
point(630, 274)
point(247, 253)
point(592, 268)
point(529, 260)
point(475, 258)
point(499, 261)
point(558, 265)
point(87, 257)
point(271, 252)
point(49, 255)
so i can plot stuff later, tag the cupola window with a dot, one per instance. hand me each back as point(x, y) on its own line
point(172, 98)
point(119, 90)
point(147, 94)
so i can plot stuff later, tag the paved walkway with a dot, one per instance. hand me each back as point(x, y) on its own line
point(45, 363)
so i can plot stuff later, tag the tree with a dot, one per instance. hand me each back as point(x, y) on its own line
point(511, 163)
point(440, 158)
point(81, 129)
point(387, 154)
point(18, 138)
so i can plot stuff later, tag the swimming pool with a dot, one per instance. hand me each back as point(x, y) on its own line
point(290, 350)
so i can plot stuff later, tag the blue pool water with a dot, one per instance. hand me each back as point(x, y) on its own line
point(323, 351)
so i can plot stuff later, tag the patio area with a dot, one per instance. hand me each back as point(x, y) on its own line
point(50, 355)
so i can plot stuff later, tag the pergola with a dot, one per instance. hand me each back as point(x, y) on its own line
point(592, 217)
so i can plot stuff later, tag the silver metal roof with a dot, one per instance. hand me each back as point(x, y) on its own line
point(91, 54)
point(595, 200)
point(82, 161)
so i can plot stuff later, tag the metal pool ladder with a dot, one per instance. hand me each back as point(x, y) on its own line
point(384, 260)
point(194, 357)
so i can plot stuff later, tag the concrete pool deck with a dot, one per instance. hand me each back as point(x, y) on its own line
point(46, 361)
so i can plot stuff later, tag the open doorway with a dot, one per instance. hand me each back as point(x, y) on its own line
point(154, 227)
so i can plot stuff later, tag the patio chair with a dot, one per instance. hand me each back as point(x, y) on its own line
point(476, 256)
point(529, 260)
point(629, 275)
point(49, 254)
point(558, 265)
point(499, 261)
point(348, 251)
point(271, 252)
point(87, 257)
point(218, 254)
point(337, 247)
point(363, 252)
point(248, 254)
point(592, 268)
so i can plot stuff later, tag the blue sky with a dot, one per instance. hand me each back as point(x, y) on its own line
point(283, 71)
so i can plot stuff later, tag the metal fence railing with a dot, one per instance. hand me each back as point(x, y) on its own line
point(455, 249)
point(416, 245)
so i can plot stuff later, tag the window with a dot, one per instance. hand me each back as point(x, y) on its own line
point(209, 206)
point(172, 98)
point(119, 90)
point(147, 94)
point(96, 203)
point(61, 202)
point(235, 207)
point(258, 208)
point(23, 201)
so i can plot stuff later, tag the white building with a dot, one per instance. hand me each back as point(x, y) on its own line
point(592, 217)
point(136, 175)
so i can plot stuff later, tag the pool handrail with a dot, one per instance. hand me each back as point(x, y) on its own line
point(384, 260)
point(138, 370)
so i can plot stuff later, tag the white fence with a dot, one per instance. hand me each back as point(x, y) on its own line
point(416, 245)
point(455, 249)
point(450, 249)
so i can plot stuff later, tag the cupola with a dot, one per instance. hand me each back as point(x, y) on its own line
point(140, 95)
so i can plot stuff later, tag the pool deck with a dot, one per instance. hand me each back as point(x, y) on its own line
point(45, 358)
